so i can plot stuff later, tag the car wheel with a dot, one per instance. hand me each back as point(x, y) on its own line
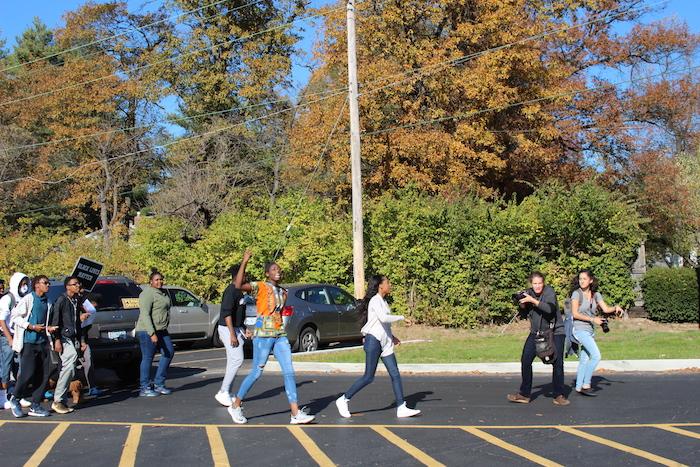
point(308, 340)
point(130, 372)
point(215, 339)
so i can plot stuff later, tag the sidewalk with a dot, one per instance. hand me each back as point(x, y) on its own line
point(634, 366)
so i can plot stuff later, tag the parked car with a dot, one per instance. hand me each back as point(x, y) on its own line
point(111, 335)
point(191, 319)
point(316, 314)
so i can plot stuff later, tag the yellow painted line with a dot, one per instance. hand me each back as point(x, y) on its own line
point(620, 446)
point(43, 450)
point(218, 451)
point(311, 447)
point(406, 446)
point(531, 456)
point(437, 427)
point(679, 431)
point(2, 422)
point(131, 445)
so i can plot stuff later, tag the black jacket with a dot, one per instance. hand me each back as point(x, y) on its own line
point(66, 316)
point(231, 306)
point(547, 312)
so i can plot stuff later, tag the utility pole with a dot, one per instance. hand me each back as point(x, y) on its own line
point(358, 254)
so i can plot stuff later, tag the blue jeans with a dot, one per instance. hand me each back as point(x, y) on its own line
point(279, 346)
point(7, 357)
point(148, 351)
point(373, 351)
point(588, 358)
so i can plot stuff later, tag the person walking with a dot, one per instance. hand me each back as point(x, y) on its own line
point(19, 287)
point(232, 333)
point(30, 319)
point(539, 304)
point(66, 317)
point(269, 337)
point(152, 333)
point(379, 343)
point(585, 301)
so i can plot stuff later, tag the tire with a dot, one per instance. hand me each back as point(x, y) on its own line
point(215, 339)
point(129, 372)
point(308, 340)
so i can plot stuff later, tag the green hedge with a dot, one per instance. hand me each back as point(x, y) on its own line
point(671, 295)
point(453, 262)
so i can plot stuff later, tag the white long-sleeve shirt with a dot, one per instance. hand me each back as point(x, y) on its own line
point(379, 319)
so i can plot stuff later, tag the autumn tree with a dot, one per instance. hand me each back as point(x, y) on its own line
point(489, 96)
point(233, 66)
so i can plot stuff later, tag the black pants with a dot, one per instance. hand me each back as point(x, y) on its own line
point(529, 355)
point(34, 367)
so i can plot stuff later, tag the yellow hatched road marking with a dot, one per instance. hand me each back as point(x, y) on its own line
point(311, 447)
point(620, 446)
point(43, 450)
point(320, 425)
point(218, 451)
point(131, 445)
point(406, 446)
point(531, 456)
point(679, 431)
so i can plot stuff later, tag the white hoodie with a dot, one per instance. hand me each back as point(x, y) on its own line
point(11, 299)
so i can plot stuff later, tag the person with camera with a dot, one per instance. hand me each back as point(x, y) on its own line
point(585, 301)
point(539, 304)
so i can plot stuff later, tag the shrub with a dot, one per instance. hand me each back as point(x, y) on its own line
point(671, 294)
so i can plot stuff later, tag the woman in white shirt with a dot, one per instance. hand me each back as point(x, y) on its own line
point(379, 342)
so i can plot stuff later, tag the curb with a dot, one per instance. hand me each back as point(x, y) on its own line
point(632, 366)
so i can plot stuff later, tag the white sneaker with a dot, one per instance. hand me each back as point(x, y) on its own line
point(404, 412)
point(301, 418)
point(342, 404)
point(237, 415)
point(7, 405)
point(223, 398)
point(25, 403)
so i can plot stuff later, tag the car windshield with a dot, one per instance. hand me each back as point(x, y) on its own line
point(110, 295)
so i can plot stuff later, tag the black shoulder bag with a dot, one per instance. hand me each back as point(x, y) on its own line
point(544, 343)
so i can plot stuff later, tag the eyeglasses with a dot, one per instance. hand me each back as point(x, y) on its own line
point(44, 282)
point(75, 284)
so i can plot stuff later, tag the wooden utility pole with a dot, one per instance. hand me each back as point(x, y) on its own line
point(358, 255)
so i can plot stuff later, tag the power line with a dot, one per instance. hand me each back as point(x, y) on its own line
point(165, 60)
point(468, 57)
point(114, 36)
point(422, 70)
point(168, 144)
point(166, 121)
point(517, 104)
point(308, 185)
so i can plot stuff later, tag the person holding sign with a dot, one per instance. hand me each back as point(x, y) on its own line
point(152, 333)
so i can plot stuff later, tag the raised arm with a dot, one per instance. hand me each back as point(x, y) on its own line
point(609, 309)
point(241, 273)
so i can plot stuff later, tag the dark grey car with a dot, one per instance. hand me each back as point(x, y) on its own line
point(320, 314)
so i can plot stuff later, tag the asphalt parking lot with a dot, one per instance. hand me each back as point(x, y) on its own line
point(634, 419)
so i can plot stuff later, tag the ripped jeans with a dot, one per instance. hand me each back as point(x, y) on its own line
point(262, 347)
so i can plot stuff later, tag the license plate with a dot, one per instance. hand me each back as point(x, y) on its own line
point(249, 321)
point(115, 335)
point(129, 303)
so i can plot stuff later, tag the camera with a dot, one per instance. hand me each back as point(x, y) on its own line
point(516, 297)
point(604, 326)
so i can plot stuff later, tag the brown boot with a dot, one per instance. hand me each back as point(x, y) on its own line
point(519, 398)
point(561, 400)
